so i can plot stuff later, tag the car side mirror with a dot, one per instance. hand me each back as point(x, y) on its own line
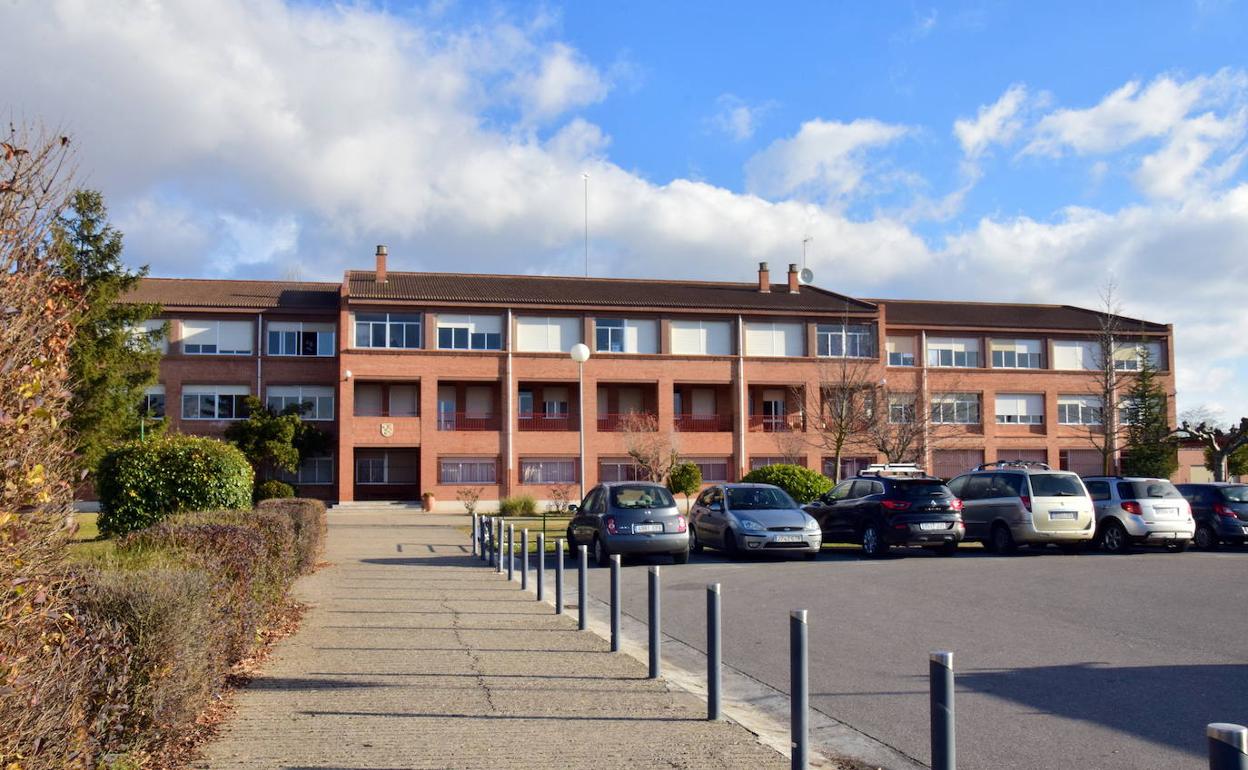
point(718, 507)
point(573, 508)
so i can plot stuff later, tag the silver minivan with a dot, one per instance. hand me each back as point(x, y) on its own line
point(1008, 504)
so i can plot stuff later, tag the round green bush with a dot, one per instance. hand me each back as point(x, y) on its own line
point(142, 482)
point(802, 484)
point(520, 505)
point(272, 489)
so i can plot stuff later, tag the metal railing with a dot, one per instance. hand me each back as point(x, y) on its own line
point(778, 423)
point(609, 423)
point(547, 422)
point(467, 421)
point(703, 423)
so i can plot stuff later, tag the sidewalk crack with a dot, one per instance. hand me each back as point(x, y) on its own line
point(473, 656)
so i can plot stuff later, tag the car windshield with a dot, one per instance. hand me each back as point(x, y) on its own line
point(921, 488)
point(758, 498)
point(641, 496)
point(1147, 490)
point(1056, 485)
point(1237, 494)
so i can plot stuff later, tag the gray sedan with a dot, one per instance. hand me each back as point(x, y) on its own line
point(753, 518)
point(627, 518)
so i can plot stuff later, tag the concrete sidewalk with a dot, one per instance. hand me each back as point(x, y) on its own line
point(416, 655)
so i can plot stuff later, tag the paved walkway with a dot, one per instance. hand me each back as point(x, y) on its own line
point(416, 655)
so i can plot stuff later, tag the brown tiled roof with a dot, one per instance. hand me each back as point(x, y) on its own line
point(257, 295)
point(623, 292)
point(1003, 315)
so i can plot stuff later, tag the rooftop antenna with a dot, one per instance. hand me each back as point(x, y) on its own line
point(807, 275)
point(805, 241)
point(585, 176)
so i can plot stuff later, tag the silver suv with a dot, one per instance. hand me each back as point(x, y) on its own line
point(1008, 504)
point(1132, 510)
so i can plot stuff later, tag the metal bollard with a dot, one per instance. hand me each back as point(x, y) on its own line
point(541, 565)
point(487, 524)
point(940, 671)
point(714, 658)
point(511, 552)
point(559, 576)
point(615, 602)
point(1228, 746)
point(582, 585)
point(473, 538)
point(524, 560)
point(799, 691)
point(656, 631)
point(498, 547)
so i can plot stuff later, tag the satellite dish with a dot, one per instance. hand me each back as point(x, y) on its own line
point(807, 275)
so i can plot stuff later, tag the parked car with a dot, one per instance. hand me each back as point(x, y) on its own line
point(629, 518)
point(879, 510)
point(1221, 512)
point(1008, 504)
point(740, 518)
point(1132, 510)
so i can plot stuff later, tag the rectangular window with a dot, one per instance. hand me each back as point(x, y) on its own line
point(470, 332)
point(312, 471)
point(316, 401)
point(702, 338)
point(845, 340)
point(1075, 355)
point(404, 401)
point(900, 351)
point(214, 402)
point(547, 335)
point(1016, 354)
point(1079, 410)
point(626, 335)
point(1020, 408)
point(1129, 357)
point(616, 469)
point(207, 338)
point(714, 469)
point(467, 470)
point(955, 408)
point(763, 462)
point(403, 331)
point(559, 470)
point(774, 340)
point(953, 352)
point(294, 338)
point(150, 334)
point(901, 409)
point(153, 403)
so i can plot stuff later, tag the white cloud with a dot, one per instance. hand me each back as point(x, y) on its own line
point(996, 123)
point(736, 119)
point(825, 160)
point(562, 80)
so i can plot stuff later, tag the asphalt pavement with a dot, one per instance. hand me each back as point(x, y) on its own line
point(1093, 660)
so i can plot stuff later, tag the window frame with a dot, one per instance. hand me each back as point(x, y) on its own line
point(464, 461)
point(859, 337)
point(533, 470)
point(956, 402)
point(386, 325)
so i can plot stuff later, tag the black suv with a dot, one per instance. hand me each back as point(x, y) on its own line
point(1220, 510)
point(880, 511)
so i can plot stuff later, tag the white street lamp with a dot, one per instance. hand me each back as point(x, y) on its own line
point(580, 354)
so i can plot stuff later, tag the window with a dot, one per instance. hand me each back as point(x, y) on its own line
point(845, 340)
point(1129, 357)
point(900, 351)
point(214, 402)
point(1099, 490)
point(947, 463)
point(763, 462)
point(617, 469)
point(375, 466)
point(955, 408)
point(404, 401)
point(1078, 410)
point(313, 470)
point(547, 335)
point(714, 469)
point(1075, 355)
point(1020, 409)
point(1085, 462)
point(317, 401)
point(467, 470)
point(626, 335)
point(288, 338)
point(777, 340)
point(470, 332)
point(1016, 354)
point(206, 338)
point(389, 330)
point(953, 352)
point(370, 470)
point(850, 466)
point(901, 409)
point(702, 338)
point(560, 470)
point(150, 333)
point(368, 399)
point(153, 403)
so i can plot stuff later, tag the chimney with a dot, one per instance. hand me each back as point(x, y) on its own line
point(793, 282)
point(381, 265)
point(764, 278)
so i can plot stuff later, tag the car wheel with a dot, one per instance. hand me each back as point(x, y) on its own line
point(1114, 538)
point(1205, 538)
point(1178, 546)
point(873, 544)
point(695, 544)
point(681, 557)
point(602, 557)
point(1002, 540)
point(948, 549)
point(731, 549)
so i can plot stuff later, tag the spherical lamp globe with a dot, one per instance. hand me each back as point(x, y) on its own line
point(580, 353)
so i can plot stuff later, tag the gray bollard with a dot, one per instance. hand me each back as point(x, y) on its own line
point(1228, 746)
point(615, 602)
point(940, 671)
point(799, 691)
point(656, 621)
point(498, 547)
point(474, 534)
point(714, 658)
point(524, 560)
point(511, 552)
point(582, 585)
point(541, 565)
point(559, 576)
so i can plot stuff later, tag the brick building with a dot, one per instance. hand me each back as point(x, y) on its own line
point(434, 381)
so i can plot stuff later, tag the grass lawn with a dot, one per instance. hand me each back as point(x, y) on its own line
point(87, 543)
point(556, 527)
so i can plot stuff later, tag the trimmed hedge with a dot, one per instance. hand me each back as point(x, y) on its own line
point(520, 505)
point(802, 484)
point(142, 482)
point(272, 489)
point(308, 518)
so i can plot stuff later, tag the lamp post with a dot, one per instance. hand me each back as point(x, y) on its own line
point(580, 354)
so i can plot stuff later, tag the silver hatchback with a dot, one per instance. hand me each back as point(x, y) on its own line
point(629, 518)
point(752, 518)
point(1131, 510)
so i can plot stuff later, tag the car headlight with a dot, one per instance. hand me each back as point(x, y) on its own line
point(812, 525)
point(750, 524)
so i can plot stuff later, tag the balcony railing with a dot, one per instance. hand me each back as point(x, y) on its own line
point(628, 421)
point(779, 423)
point(703, 423)
point(465, 421)
point(548, 422)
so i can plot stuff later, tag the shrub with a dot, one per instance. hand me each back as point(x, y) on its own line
point(142, 482)
point(272, 489)
point(520, 505)
point(308, 518)
point(684, 479)
point(802, 484)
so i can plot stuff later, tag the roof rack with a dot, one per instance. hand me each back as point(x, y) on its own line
point(1014, 464)
point(902, 470)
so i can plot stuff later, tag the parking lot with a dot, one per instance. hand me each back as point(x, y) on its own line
point(1063, 661)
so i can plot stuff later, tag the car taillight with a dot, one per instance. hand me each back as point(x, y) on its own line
point(1132, 507)
point(895, 505)
point(611, 524)
point(681, 526)
point(1026, 502)
point(1222, 509)
point(956, 504)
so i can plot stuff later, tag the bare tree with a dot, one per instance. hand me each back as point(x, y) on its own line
point(1220, 442)
point(899, 426)
point(841, 408)
point(652, 450)
point(1109, 379)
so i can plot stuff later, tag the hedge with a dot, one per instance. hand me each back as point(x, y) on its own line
point(142, 482)
point(272, 489)
point(802, 484)
point(308, 518)
point(520, 505)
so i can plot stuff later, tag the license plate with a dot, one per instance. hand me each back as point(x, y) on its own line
point(788, 538)
point(642, 529)
point(933, 525)
point(1165, 513)
point(1062, 515)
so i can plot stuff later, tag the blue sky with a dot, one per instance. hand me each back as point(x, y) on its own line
point(983, 151)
